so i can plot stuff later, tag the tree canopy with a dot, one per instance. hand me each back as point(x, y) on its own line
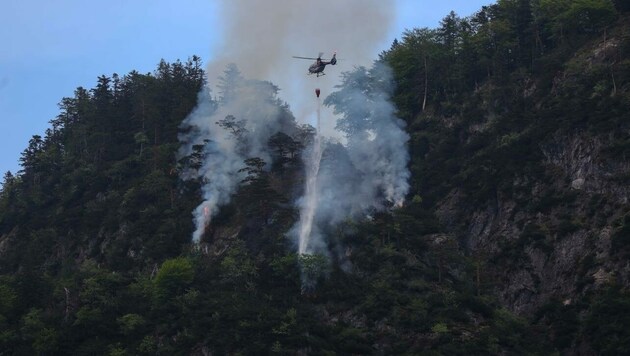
point(513, 238)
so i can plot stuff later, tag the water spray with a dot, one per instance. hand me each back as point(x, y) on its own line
point(310, 199)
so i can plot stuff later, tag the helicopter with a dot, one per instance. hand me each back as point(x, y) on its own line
point(319, 65)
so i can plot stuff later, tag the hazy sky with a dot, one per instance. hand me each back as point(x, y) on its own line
point(49, 48)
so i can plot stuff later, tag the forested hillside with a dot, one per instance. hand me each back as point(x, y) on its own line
point(513, 239)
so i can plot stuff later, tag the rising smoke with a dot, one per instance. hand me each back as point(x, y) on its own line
point(260, 37)
point(369, 172)
point(225, 133)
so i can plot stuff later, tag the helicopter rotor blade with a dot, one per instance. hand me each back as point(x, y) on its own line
point(305, 58)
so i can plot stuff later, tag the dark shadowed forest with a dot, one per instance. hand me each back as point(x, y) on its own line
point(514, 236)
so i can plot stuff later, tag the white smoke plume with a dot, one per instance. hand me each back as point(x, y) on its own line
point(227, 132)
point(377, 142)
point(260, 37)
point(369, 172)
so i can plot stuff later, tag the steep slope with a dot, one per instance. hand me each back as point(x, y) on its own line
point(513, 239)
point(552, 192)
point(525, 161)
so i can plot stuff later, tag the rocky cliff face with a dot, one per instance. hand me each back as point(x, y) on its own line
point(581, 160)
point(548, 236)
point(548, 232)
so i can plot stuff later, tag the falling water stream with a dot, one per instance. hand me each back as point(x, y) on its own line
point(310, 199)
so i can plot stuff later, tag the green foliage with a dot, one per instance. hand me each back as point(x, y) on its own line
point(8, 297)
point(607, 321)
point(105, 221)
point(562, 323)
point(566, 20)
point(237, 268)
point(586, 15)
point(314, 267)
point(43, 339)
point(117, 350)
point(172, 279)
point(148, 346)
point(439, 328)
point(131, 323)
